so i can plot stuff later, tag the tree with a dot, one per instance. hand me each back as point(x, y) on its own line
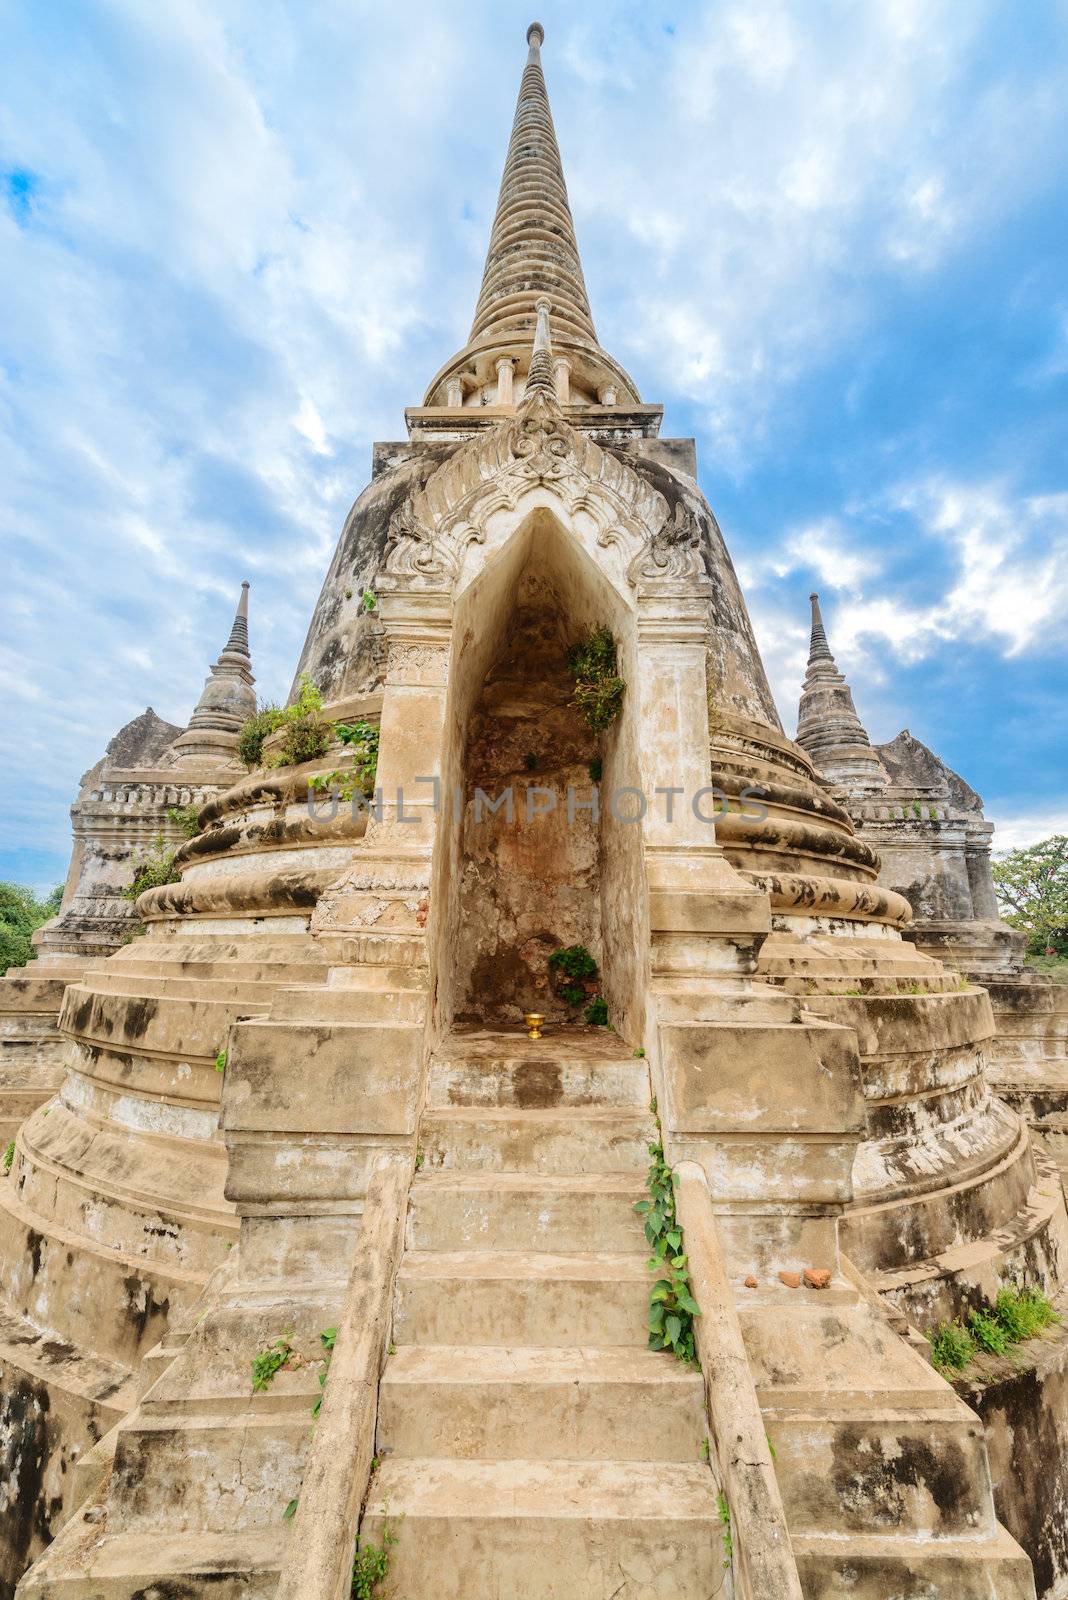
point(1032, 886)
point(20, 913)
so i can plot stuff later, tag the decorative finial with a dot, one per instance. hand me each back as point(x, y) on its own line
point(238, 640)
point(540, 379)
point(819, 649)
point(535, 35)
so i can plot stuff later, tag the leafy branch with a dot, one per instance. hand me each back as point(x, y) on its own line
point(672, 1306)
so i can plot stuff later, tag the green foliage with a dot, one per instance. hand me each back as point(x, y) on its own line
point(1032, 886)
point(952, 1346)
point(596, 1013)
point(371, 1565)
point(672, 1307)
point(1016, 1315)
point(153, 870)
point(988, 1333)
point(368, 600)
point(270, 1361)
point(572, 995)
point(250, 739)
point(1023, 1313)
point(1054, 967)
point(573, 961)
point(362, 740)
point(21, 912)
point(596, 770)
point(328, 1339)
point(220, 1061)
point(290, 1510)
point(307, 733)
point(728, 1537)
point(184, 818)
point(598, 688)
point(9, 1155)
point(639, 1054)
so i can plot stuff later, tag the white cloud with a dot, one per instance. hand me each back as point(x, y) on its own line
point(1014, 830)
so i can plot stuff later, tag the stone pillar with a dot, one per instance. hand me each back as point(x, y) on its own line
point(454, 393)
point(504, 382)
point(562, 379)
point(977, 857)
point(606, 395)
point(706, 920)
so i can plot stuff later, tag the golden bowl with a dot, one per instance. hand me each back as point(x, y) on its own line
point(533, 1020)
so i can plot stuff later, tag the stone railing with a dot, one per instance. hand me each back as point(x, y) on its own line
point(763, 1558)
point(318, 1562)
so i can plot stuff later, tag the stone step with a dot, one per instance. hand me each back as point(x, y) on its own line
point(475, 1530)
point(225, 1472)
point(538, 1083)
point(873, 1568)
point(587, 1139)
point(524, 1211)
point(496, 1403)
point(508, 1298)
point(882, 1470)
point(177, 987)
point(242, 1564)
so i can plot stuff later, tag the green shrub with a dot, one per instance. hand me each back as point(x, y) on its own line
point(153, 870)
point(952, 1347)
point(250, 739)
point(988, 1333)
point(9, 1155)
point(573, 961)
point(598, 688)
point(185, 819)
point(596, 1013)
point(1023, 1313)
point(21, 913)
point(362, 740)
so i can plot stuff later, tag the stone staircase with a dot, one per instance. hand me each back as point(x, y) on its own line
point(528, 1441)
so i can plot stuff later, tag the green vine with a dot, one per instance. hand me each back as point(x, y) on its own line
point(362, 740)
point(328, 1339)
point(672, 1307)
point(728, 1536)
point(599, 689)
point(370, 1564)
point(270, 1361)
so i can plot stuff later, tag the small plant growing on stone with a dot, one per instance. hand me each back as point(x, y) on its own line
point(371, 1565)
point(270, 1361)
point(639, 1054)
point(1023, 1313)
point(184, 818)
point(220, 1061)
point(728, 1537)
point(362, 740)
point(153, 870)
point(672, 1307)
point(573, 968)
point(9, 1155)
point(596, 770)
point(599, 689)
point(988, 1333)
point(368, 600)
point(307, 732)
point(952, 1347)
point(254, 732)
point(596, 1013)
point(328, 1338)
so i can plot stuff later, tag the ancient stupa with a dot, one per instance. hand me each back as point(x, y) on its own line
point(305, 1150)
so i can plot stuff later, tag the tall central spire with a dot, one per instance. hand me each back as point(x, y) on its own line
point(533, 255)
point(532, 250)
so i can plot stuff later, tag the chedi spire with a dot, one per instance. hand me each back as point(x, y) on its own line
point(227, 701)
point(533, 255)
point(828, 727)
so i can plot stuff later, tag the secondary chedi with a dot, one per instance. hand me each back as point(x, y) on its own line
point(390, 1189)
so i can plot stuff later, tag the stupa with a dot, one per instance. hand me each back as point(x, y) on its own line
point(393, 1202)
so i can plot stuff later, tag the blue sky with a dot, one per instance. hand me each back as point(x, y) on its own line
point(237, 239)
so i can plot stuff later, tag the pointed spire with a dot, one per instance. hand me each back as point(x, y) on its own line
point(532, 250)
point(226, 702)
point(819, 649)
point(828, 727)
point(237, 644)
point(533, 254)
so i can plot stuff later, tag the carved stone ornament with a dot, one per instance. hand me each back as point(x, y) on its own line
point(670, 554)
